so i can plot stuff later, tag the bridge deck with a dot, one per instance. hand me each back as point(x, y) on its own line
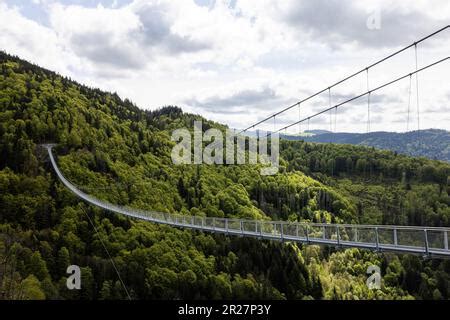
point(431, 241)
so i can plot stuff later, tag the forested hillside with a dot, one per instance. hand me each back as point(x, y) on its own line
point(115, 151)
point(431, 143)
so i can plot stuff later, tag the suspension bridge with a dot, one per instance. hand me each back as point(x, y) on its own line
point(368, 93)
point(427, 241)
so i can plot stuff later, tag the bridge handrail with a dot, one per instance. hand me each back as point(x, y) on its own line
point(279, 229)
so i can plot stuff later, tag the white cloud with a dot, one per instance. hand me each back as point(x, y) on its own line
point(30, 40)
point(234, 63)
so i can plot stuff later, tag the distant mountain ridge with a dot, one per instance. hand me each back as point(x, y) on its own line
point(430, 143)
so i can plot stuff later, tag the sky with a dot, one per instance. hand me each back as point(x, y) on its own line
point(239, 61)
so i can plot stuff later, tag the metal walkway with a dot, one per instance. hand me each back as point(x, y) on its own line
point(429, 241)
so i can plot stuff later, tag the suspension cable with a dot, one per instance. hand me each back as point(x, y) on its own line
point(417, 90)
point(274, 124)
point(107, 252)
point(409, 102)
point(348, 77)
point(368, 101)
point(335, 119)
point(371, 91)
point(331, 115)
point(368, 112)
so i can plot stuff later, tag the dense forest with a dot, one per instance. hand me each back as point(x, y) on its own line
point(114, 150)
point(430, 143)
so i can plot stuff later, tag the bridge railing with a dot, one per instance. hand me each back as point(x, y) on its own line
point(414, 239)
point(401, 238)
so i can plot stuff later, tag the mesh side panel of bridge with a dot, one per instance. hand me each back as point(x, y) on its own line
point(432, 241)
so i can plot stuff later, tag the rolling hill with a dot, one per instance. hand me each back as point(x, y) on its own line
point(431, 143)
point(120, 153)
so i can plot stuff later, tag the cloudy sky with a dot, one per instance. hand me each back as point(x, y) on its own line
point(238, 61)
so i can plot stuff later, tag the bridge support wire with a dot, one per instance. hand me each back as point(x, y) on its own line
point(107, 252)
point(409, 103)
point(368, 112)
point(335, 119)
point(417, 90)
point(353, 75)
point(368, 101)
point(331, 115)
point(368, 92)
